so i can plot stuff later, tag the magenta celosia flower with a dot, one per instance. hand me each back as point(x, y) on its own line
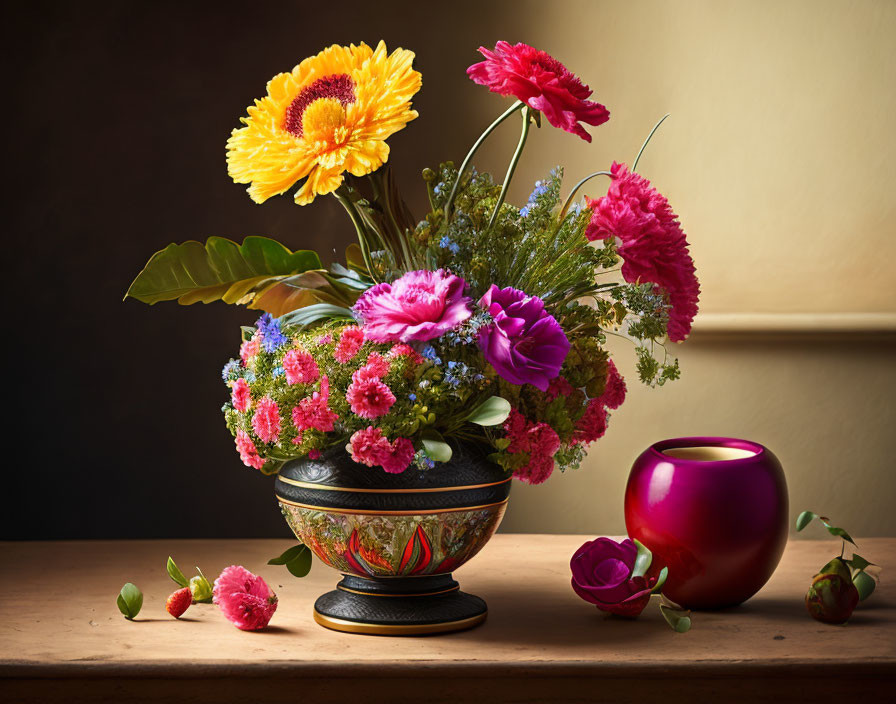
point(421, 305)
point(369, 398)
point(593, 424)
point(313, 454)
point(324, 340)
point(525, 344)
point(244, 598)
point(314, 412)
point(250, 347)
point(240, 395)
point(541, 82)
point(350, 342)
point(248, 452)
point(368, 445)
point(539, 440)
point(266, 421)
point(300, 367)
point(650, 241)
point(403, 350)
point(614, 391)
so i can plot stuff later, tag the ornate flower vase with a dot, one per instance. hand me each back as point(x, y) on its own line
point(715, 511)
point(396, 538)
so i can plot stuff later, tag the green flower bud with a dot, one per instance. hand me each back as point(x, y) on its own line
point(201, 589)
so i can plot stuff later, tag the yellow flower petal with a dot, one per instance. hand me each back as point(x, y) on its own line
point(331, 114)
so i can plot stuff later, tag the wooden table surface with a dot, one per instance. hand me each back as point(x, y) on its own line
point(63, 639)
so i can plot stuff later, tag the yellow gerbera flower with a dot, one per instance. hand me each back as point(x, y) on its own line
point(332, 113)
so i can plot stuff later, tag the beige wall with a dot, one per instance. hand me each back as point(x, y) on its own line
point(780, 158)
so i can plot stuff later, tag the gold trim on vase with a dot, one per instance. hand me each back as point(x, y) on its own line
point(376, 512)
point(382, 629)
point(356, 591)
point(326, 487)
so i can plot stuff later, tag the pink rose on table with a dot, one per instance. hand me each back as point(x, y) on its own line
point(421, 305)
point(525, 344)
point(602, 575)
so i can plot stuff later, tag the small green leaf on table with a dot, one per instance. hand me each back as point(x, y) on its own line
point(130, 601)
point(297, 560)
point(679, 621)
point(175, 573)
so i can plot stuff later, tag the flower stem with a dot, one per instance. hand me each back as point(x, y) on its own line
point(646, 141)
point(572, 193)
point(449, 204)
point(527, 115)
point(359, 228)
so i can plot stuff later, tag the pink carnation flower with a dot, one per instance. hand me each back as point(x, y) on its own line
point(240, 395)
point(399, 456)
point(300, 367)
point(350, 342)
point(376, 368)
point(593, 424)
point(369, 397)
point(614, 391)
point(250, 347)
point(248, 452)
point(245, 599)
point(539, 440)
point(369, 447)
point(314, 413)
point(403, 350)
point(266, 421)
point(651, 243)
point(541, 82)
point(421, 305)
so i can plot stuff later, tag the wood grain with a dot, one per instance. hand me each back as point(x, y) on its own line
point(62, 638)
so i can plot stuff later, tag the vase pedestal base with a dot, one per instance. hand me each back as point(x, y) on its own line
point(399, 606)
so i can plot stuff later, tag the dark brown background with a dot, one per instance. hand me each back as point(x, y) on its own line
point(117, 118)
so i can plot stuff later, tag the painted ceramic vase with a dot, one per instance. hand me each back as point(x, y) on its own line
point(715, 511)
point(396, 538)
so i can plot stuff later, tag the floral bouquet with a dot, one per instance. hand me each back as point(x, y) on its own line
point(480, 323)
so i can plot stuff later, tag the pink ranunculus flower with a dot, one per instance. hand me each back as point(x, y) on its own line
point(602, 575)
point(651, 243)
point(421, 305)
point(541, 82)
point(266, 421)
point(245, 599)
point(525, 344)
point(240, 395)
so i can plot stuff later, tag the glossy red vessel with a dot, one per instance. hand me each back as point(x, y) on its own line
point(715, 511)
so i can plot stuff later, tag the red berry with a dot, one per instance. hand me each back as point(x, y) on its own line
point(179, 602)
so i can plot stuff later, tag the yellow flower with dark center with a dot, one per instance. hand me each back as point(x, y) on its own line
point(331, 114)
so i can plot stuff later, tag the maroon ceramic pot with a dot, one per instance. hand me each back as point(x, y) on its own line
point(715, 511)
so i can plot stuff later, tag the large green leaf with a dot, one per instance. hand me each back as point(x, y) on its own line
point(260, 273)
point(311, 314)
